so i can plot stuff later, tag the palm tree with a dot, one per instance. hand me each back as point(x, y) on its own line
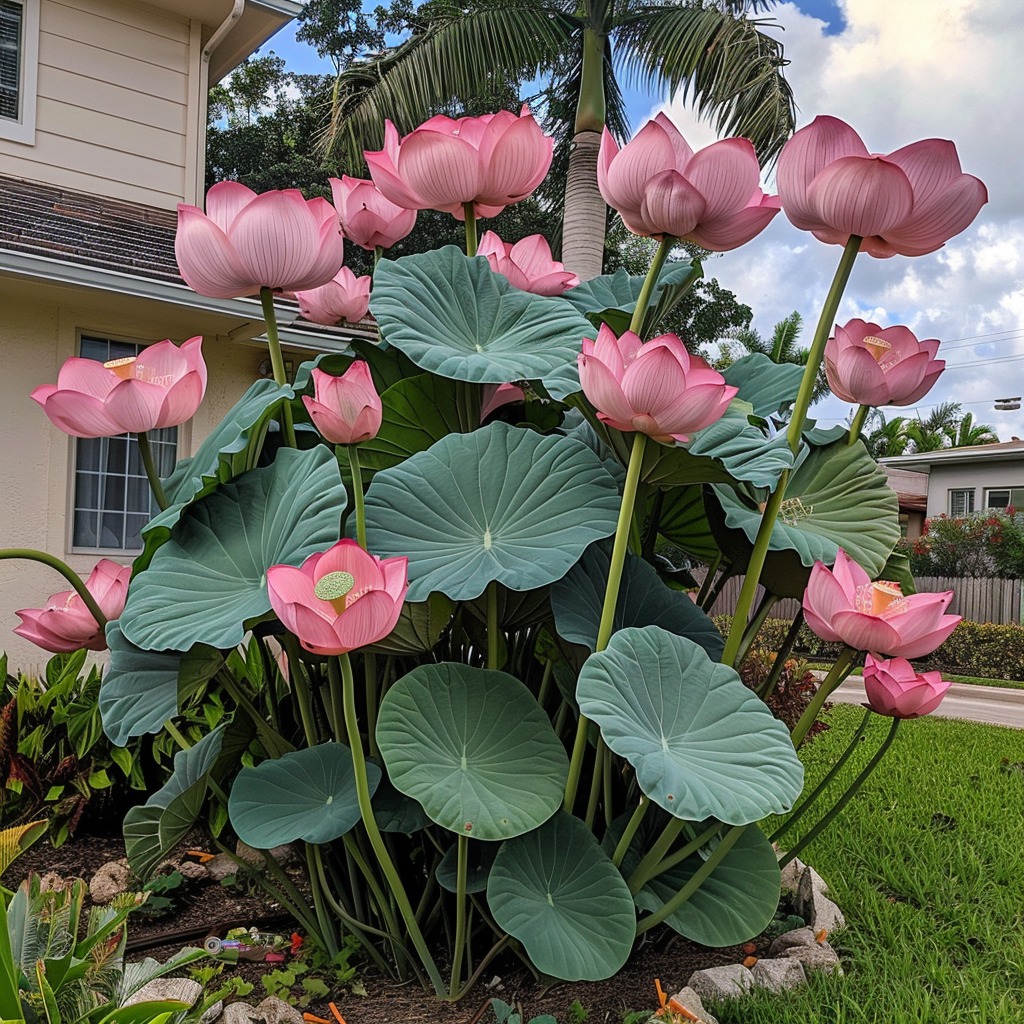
point(948, 426)
point(967, 433)
point(887, 437)
point(711, 49)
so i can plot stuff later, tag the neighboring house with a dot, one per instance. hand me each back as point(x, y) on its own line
point(102, 134)
point(962, 480)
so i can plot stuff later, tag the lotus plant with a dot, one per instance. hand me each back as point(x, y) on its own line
point(367, 217)
point(896, 689)
point(345, 298)
point(527, 264)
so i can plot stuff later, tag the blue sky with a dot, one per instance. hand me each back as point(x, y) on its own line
point(898, 71)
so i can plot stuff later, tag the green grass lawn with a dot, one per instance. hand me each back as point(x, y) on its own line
point(1011, 684)
point(927, 863)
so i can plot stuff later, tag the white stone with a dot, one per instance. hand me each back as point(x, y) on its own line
point(792, 873)
point(819, 957)
point(212, 1013)
point(238, 1013)
point(779, 975)
point(183, 989)
point(721, 982)
point(283, 854)
point(785, 942)
point(277, 1011)
point(815, 907)
point(689, 998)
point(221, 867)
point(111, 879)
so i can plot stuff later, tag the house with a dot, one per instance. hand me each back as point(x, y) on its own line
point(960, 480)
point(102, 134)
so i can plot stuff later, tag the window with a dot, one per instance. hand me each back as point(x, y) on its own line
point(961, 502)
point(1004, 497)
point(19, 51)
point(112, 499)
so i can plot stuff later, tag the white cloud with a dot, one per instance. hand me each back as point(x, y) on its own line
point(903, 70)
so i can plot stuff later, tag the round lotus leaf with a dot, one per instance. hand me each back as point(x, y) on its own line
point(767, 385)
point(558, 893)
point(502, 503)
point(735, 902)
point(480, 858)
point(701, 742)
point(305, 794)
point(473, 747)
point(395, 812)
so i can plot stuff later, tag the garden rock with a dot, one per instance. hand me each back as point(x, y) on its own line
point(721, 982)
point(276, 1011)
point(110, 880)
point(778, 975)
point(213, 1013)
point(238, 1013)
point(52, 882)
point(792, 873)
point(183, 989)
point(819, 957)
point(283, 854)
point(815, 907)
point(221, 867)
point(688, 997)
point(787, 940)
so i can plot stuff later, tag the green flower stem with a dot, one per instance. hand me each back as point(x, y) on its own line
point(607, 766)
point(378, 252)
point(277, 360)
point(611, 597)
point(601, 754)
point(273, 741)
point(337, 715)
point(809, 800)
point(821, 333)
point(175, 733)
point(357, 492)
point(493, 647)
point(727, 842)
point(636, 323)
point(709, 579)
point(327, 932)
point(155, 483)
point(373, 833)
point(753, 574)
point(835, 676)
point(66, 571)
point(688, 850)
point(857, 423)
point(379, 895)
point(780, 658)
point(768, 602)
point(460, 914)
point(545, 683)
point(471, 242)
point(300, 687)
point(845, 798)
point(630, 830)
point(370, 694)
point(712, 596)
point(655, 854)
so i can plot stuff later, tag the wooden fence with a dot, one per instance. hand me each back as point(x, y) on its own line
point(977, 600)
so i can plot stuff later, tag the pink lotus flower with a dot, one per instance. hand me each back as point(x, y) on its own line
point(527, 264)
point(245, 242)
point(344, 298)
point(661, 188)
point(346, 409)
point(658, 388)
point(490, 161)
point(908, 202)
point(896, 690)
point(339, 599)
point(160, 387)
point(367, 217)
point(871, 366)
point(64, 623)
point(843, 604)
point(496, 395)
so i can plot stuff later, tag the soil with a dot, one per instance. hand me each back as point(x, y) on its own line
point(210, 907)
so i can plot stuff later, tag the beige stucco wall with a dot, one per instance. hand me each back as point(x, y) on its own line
point(119, 103)
point(980, 476)
point(39, 329)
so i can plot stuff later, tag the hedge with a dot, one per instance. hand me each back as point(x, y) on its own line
point(973, 649)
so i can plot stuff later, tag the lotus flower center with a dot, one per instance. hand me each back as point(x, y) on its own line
point(335, 588)
point(880, 598)
point(129, 369)
point(882, 351)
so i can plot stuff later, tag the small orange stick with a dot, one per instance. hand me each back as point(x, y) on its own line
point(337, 1015)
point(312, 1018)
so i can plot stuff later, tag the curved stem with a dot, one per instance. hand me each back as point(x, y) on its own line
point(66, 571)
point(471, 242)
point(835, 676)
point(460, 913)
point(378, 252)
point(357, 493)
point(155, 483)
point(370, 824)
point(273, 741)
point(277, 360)
point(661, 846)
point(172, 730)
point(636, 323)
point(845, 798)
point(768, 602)
point(493, 647)
point(781, 655)
point(630, 830)
point(601, 752)
point(327, 933)
point(857, 423)
point(688, 850)
point(300, 687)
point(370, 696)
point(611, 597)
point(809, 800)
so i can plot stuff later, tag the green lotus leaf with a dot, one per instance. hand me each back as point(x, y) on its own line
point(387, 365)
point(684, 523)
point(451, 315)
point(765, 384)
point(209, 579)
point(702, 744)
point(419, 627)
point(139, 691)
point(307, 794)
point(153, 829)
point(396, 812)
point(472, 746)
point(619, 291)
point(578, 599)
point(480, 858)
point(734, 903)
point(502, 503)
point(838, 497)
point(558, 893)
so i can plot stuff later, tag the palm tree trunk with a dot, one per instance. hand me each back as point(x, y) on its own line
point(585, 210)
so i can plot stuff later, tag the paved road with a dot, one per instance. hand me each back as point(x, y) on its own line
point(991, 704)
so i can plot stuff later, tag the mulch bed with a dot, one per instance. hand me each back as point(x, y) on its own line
point(210, 905)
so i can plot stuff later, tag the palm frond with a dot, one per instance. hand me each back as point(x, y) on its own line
point(472, 53)
point(730, 68)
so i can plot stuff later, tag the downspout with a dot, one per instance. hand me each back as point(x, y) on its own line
point(223, 29)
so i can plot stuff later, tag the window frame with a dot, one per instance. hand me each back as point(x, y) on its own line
point(971, 491)
point(23, 128)
point(1008, 491)
point(72, 490)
